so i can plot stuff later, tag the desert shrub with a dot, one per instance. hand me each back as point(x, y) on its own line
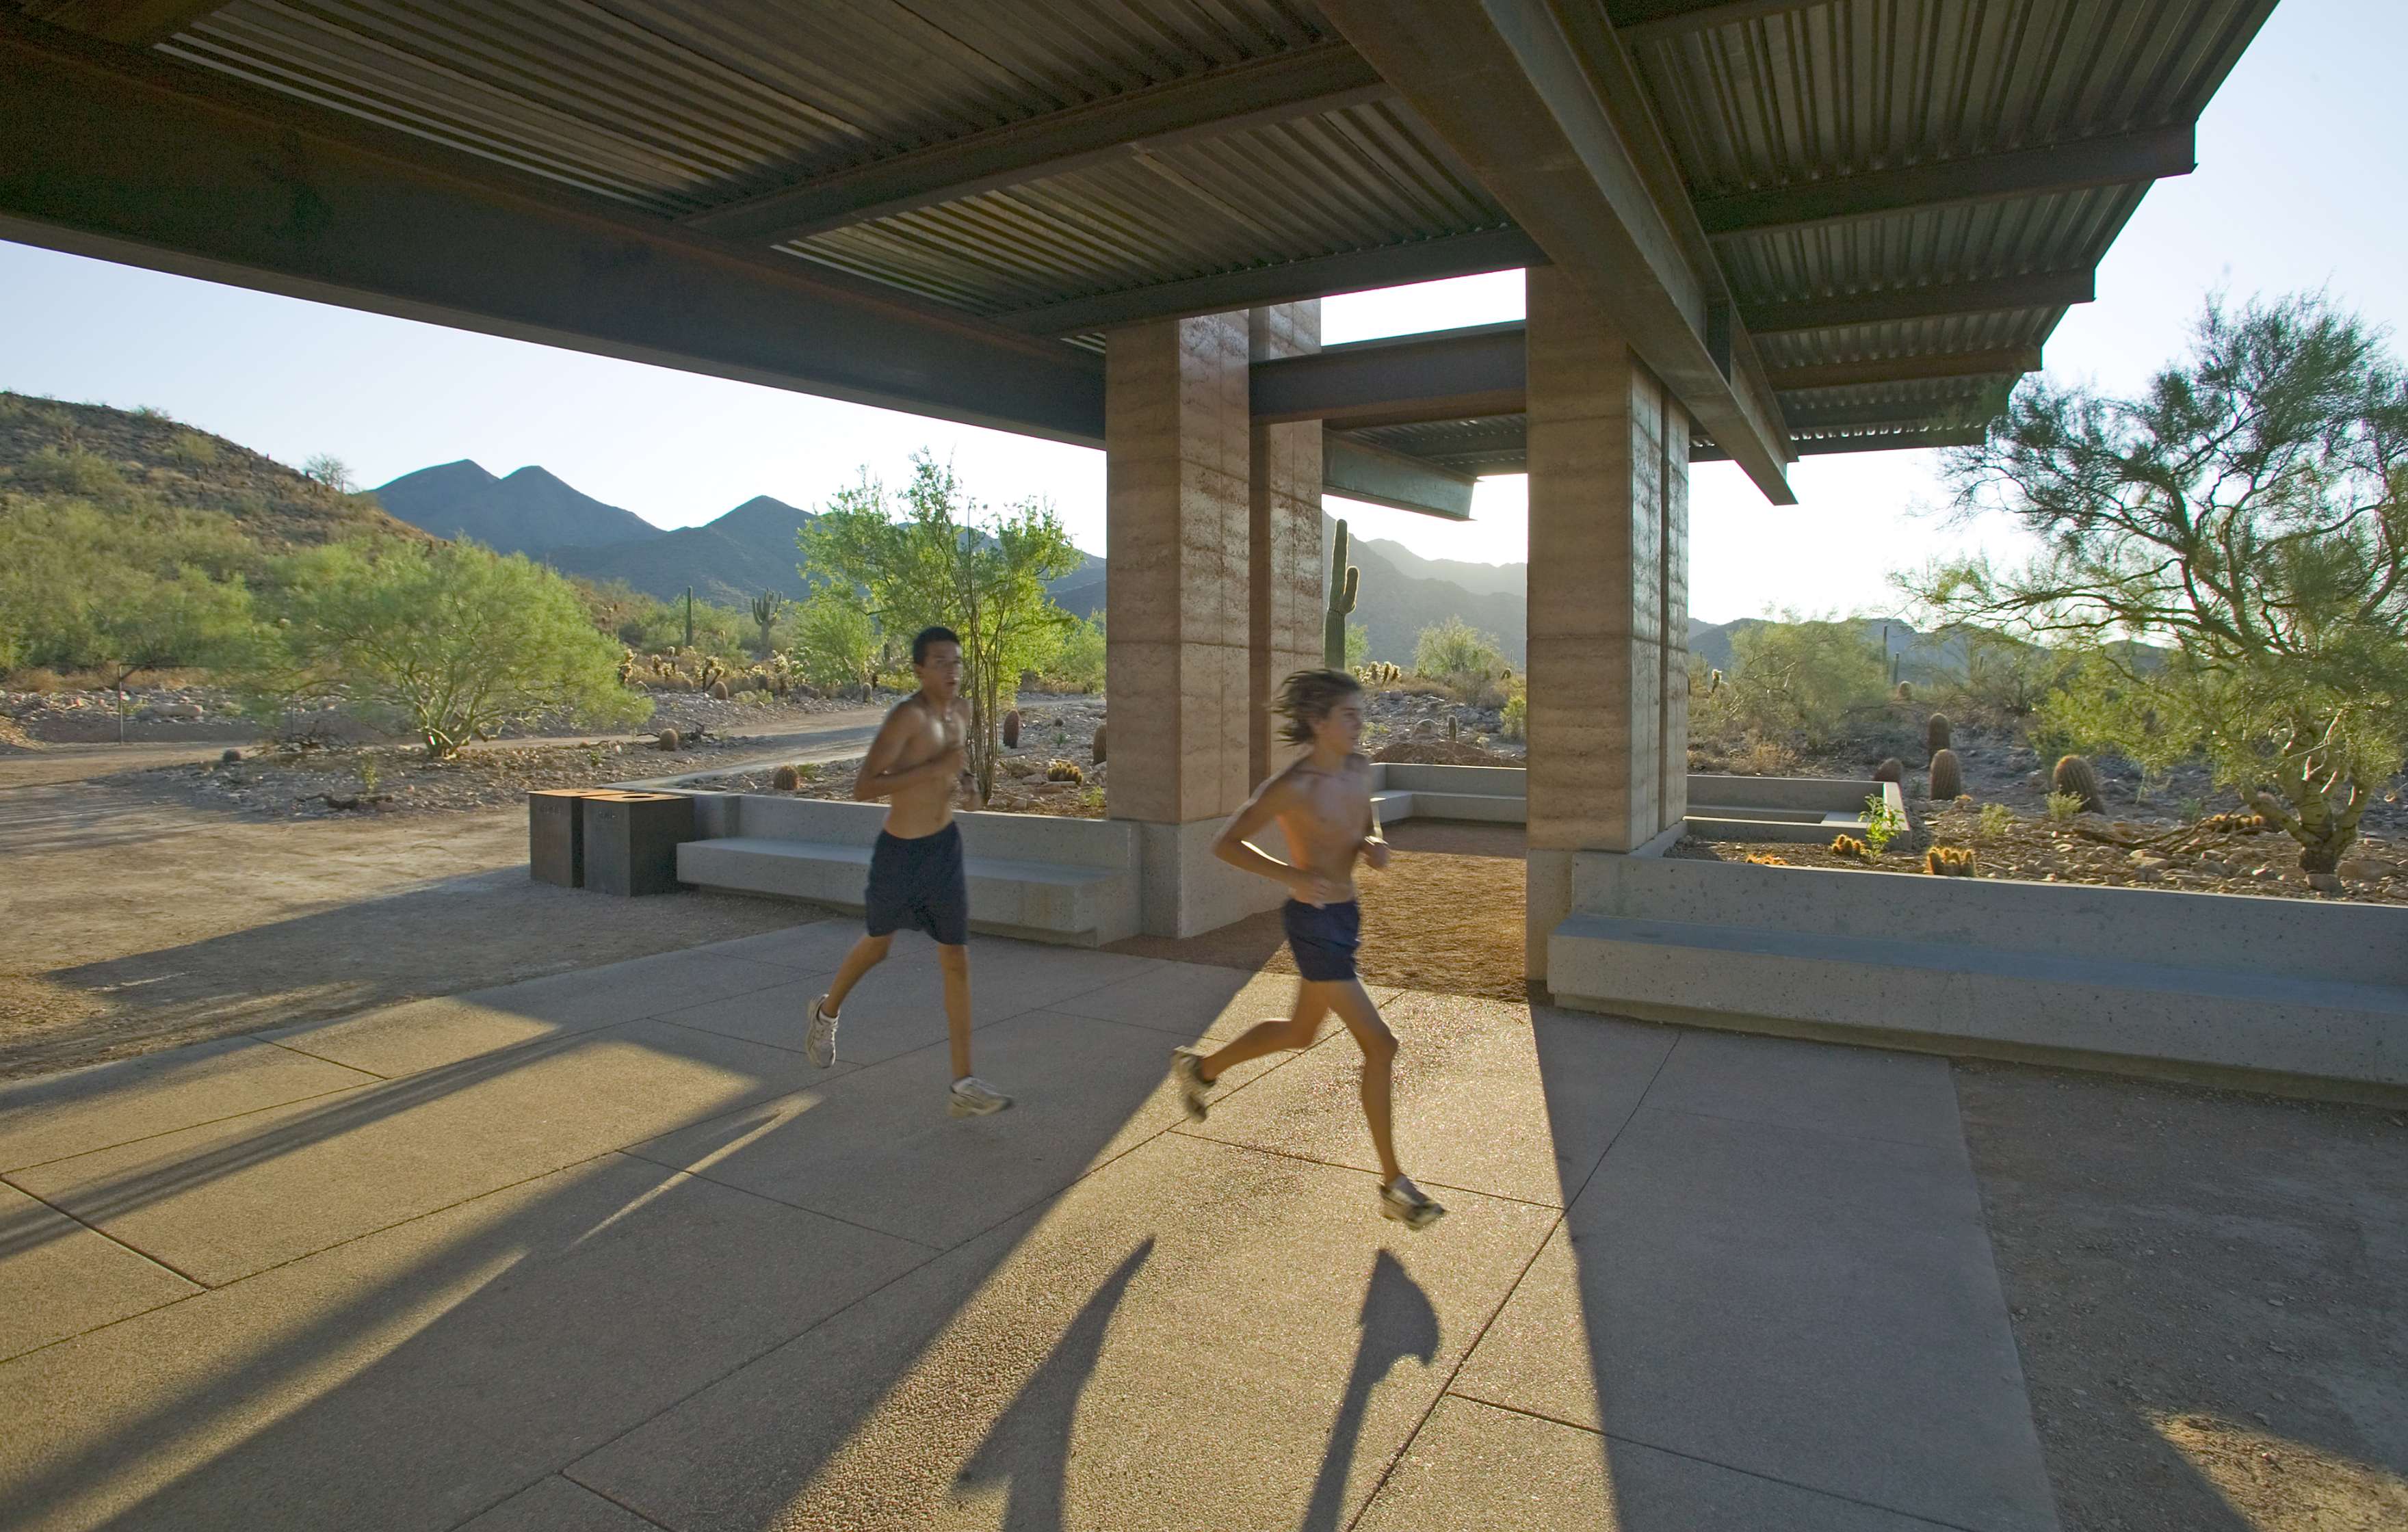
point(1996, 821)
point(1798, 677)
point(1883, 824)
point(70, 471)
point(2064, 806)
point(451, 640)
point(837, 641)
point(1358, 646)
point(1513, 721)
point(192, 448)
point(1461, 658)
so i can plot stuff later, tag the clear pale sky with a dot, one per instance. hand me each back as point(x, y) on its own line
point(2300, 184)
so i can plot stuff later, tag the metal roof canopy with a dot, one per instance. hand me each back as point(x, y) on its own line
point(1827, 224)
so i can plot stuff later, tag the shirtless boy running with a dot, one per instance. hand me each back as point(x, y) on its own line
point(1323, 802)
point(915, 870)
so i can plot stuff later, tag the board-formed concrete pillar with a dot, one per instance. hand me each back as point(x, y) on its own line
point(1181, 609)
point(1608, 670)
point(1285, 539)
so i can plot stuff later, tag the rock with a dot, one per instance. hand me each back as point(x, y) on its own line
point(2151, 866)
point(2213, 868)
point(2264, 872)
point(2325, 883)
point(2366, 869)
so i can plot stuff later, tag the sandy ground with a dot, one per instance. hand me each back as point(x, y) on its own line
point(134, 920)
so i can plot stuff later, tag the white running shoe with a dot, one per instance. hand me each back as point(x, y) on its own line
point(1403, 1201)
point(1187, 1069)
point(820, 1047)
point(974, 1097)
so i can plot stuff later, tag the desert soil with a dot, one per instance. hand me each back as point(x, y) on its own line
point(2214, 857)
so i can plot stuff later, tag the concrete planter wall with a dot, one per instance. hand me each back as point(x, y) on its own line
point(2297, 995)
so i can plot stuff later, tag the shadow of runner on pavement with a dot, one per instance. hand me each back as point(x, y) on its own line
point(1399, 1322)
point(1029, 1445)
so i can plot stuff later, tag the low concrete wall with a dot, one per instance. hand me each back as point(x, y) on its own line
point(2296, 995)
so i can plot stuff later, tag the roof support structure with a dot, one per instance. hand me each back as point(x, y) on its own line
point(1303, 82)
point(1359, 471)
point(1652, 21)
point(2075, 166)
point(1451, 375)
point(1937, 300)
point(1887, 441)
point(108, 152)
point(2005, 362)
point(1317, 277)
point(133, 23)
point(1545, 125)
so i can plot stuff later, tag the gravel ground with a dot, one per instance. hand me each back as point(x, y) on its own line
point(2094, 850)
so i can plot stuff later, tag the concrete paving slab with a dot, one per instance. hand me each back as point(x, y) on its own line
point(1474, 1467)
point(59, 1278)
point(1198, 1336)
point(814, 946)
point(1489, 1096)
point(1870, 1091)
point(414, 1378)
point(1187, 997)
point(899, 1007)
point(879, 1149)
point(559, 1505)
point(1808, 1307)
point(50, 1117)
point(428, 1033)
point(222, 1200)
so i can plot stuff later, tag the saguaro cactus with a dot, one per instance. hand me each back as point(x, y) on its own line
point(689, 617)
point(1343, 579)
point(766, 608)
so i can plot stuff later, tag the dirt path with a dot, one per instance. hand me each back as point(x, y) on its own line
point(129, 922)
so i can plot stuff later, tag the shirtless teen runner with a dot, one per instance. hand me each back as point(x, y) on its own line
point(915, 870)
point(1323, 802)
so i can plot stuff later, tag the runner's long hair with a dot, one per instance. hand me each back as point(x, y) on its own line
point(1305, 697)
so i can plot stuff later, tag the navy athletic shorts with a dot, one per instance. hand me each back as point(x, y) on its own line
point(920, 883)
point(1323, 938)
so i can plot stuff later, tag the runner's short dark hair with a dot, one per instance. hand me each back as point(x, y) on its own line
point(935, 633)
point(1305, 697)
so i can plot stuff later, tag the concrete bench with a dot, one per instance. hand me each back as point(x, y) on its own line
point(2306, 998)
point(1043, 879)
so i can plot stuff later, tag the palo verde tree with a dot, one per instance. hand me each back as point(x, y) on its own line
point(938, 556)
point(451, 640)
point(2225, 555)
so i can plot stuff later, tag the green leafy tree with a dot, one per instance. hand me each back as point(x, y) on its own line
point(837, 641)
point(139, 622)
point(2225, 555)
point(934, 555)
point(451, 640)
point(1077, 663)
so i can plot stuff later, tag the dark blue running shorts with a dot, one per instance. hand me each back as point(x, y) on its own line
point(1323, 938)
point(920, 883)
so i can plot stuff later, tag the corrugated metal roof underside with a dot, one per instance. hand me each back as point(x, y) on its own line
point(680, 104)
point(1854, 85)
point(671, 106)
point(1358, 178)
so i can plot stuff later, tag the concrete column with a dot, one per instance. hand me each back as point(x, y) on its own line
point(1608, 598)
point(1284, 538)
point(1179, 506)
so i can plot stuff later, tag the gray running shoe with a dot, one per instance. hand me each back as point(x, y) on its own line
point(1403, 1201)
point(1187, 1069)
point(974, 1097)
point(820, 1047)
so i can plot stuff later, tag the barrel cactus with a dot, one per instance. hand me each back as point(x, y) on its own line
point(668, 739)
point(1935, 736)
point(2076, 778)
point(1064, 771)
point(1099, 744)
point(786, 779)
point(1848, 846)
point(1012, 729)
point(1947, 774)
point(1891, 770)
point(1949, 861)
